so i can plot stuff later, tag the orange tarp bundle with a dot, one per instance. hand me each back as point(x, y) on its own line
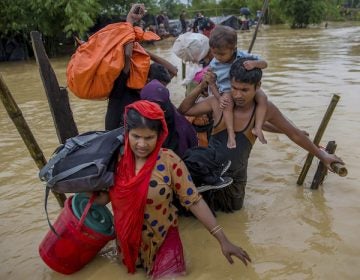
point(96, 64)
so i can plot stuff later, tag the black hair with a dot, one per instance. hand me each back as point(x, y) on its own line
point(240, 74)
point(223, 37)
point(135, 120)
point(159, 72)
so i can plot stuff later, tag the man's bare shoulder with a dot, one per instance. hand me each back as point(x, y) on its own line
point(272, 112)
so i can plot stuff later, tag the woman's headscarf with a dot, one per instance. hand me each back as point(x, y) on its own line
point(182, 135)
point(129, 193)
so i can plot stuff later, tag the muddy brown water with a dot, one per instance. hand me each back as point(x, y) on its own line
point(290, 232)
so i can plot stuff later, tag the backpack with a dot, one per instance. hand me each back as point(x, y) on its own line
point(84, 163)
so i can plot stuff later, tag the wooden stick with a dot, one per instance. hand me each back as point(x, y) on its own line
point(183, 69)
point(339, 169)
point(57, 96)
point(18, 119)
point(318, 137)
point(322, 170)
point(263, 11)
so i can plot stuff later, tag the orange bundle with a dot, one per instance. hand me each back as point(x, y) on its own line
point(96, 64)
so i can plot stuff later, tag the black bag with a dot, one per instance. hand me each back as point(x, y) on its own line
point(85, 163)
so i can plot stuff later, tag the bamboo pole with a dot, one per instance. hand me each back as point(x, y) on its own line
point(183, 69)
point(18, 119)
point(339, 169)
point(318, 137)
point(263, 11)
point(322, 171)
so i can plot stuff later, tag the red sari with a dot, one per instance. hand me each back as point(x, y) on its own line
point(129, 193)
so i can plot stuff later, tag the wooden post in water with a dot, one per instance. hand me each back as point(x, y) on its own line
point(318, 137)
point(58, 98)
point(322, 170)
point(17, 117)
point(263, 11)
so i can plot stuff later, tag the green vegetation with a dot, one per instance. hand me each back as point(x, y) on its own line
point(61, 19)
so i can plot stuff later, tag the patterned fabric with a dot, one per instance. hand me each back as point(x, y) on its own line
point(169, 176)
point(128, 195)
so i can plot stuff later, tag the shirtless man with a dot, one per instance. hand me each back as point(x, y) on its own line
point(244, 84)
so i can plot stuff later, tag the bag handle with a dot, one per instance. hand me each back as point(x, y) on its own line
point(86, 210)
point(47, 191)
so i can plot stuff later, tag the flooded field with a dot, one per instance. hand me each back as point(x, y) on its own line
point(290, 231)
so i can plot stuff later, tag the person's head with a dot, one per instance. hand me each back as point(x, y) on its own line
point(223, 43)
point(159, 72)
point(155, 91)
point(191, 47)
point(244, 83)
point(144, 132)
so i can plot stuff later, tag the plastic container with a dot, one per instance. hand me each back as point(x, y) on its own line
point(76, 244)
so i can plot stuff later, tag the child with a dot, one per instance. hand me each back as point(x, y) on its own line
point(223, 45)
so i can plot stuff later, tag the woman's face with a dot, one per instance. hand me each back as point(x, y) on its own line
point(142, 141)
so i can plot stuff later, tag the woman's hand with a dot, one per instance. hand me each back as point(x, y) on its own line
point(102, 197)
point(229, 249)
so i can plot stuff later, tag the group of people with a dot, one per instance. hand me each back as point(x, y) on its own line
point(201, 24)
point(161, 157)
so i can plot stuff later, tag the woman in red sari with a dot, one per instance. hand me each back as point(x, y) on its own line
point(146, 179)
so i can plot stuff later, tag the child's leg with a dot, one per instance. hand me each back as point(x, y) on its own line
point(229, 122)
point(260, 114)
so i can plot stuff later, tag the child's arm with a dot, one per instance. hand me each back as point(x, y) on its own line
point(260, 114)
point(215, 91)
point(251, 64)
point(210, 78)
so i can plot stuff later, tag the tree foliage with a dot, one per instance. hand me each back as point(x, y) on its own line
point(59, 18)
point(301, 13)
point(172, 7)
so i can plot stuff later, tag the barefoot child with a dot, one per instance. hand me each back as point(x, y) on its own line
point(223, 45)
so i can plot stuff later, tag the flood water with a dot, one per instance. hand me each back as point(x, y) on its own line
point(291, 232)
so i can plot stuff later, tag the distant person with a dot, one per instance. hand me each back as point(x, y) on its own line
point(183, 21)
point(203, 24)
point(162, 31)
point(166, 21)
point(258, 15)
point(160, 18)
point(245, 24)
point(223, 45)
point(198, 16)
